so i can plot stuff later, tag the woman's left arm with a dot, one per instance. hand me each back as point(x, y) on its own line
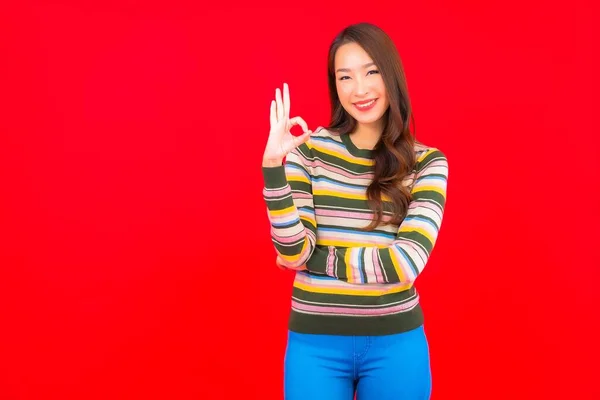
point(405, 258)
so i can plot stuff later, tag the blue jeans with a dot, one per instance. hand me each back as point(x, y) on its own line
point(332, 367)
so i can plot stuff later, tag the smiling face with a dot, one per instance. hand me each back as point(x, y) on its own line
point(359, 85)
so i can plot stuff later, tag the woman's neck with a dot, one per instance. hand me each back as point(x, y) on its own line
point(366, 136)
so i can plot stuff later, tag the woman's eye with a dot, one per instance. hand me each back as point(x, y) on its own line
point(344, 77)
point(374, 71)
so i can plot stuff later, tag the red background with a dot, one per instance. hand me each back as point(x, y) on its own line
point(126, 274)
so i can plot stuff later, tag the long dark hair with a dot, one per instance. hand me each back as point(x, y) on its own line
point(394, 154)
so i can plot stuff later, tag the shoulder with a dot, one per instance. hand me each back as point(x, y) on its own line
point(322, 139)
point(427, 153)
point(429, 157)
point(322, 134)
point(319, 139)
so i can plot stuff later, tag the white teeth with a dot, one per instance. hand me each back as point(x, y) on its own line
point(365, 105)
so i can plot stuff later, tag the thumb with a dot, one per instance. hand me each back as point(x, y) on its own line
point(303, 138)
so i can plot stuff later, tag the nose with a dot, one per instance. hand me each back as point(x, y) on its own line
point(361, 88)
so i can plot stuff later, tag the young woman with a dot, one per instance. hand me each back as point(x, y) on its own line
point(356, 211)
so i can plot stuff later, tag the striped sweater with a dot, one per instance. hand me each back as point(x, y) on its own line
point(350, 281)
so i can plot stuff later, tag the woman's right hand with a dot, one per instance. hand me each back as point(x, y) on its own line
point(281, 141)
point(279, 263)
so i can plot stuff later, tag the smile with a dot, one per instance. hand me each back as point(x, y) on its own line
point(365, 105)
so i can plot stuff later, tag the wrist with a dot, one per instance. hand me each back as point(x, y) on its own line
point(272, 162)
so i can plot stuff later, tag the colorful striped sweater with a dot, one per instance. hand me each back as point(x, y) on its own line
point(350, 281)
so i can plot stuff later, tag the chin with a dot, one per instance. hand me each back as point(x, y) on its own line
point(368, 119)
point(365, 121)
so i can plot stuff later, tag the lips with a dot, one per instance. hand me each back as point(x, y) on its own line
point(364, 101)
point(365, 105)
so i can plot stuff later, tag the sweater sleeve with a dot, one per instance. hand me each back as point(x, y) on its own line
point(290, 207)
point(405, 258)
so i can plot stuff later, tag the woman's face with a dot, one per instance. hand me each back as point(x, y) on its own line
point(359, 84)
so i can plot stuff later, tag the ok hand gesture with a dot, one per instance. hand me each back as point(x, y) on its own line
point(281, 141)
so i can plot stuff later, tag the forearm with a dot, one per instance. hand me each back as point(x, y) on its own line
point(290, 231)
point(398, 263)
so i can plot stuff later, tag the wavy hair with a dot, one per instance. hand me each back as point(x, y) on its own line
point(394, 154)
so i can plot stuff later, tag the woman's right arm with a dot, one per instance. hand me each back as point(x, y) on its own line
point(288, 190)
point(290, 208)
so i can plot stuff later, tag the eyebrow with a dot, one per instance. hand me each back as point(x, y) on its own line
point(348, 69)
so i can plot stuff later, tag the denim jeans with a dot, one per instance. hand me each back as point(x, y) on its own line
point(332, 367)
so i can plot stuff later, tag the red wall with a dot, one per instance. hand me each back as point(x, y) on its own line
point(125, 274)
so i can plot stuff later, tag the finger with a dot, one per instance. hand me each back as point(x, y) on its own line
point(299, 121)
point(273, 115)
point(279, 104)
point(286, 100)
point(303, 138)
point(278, 263)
